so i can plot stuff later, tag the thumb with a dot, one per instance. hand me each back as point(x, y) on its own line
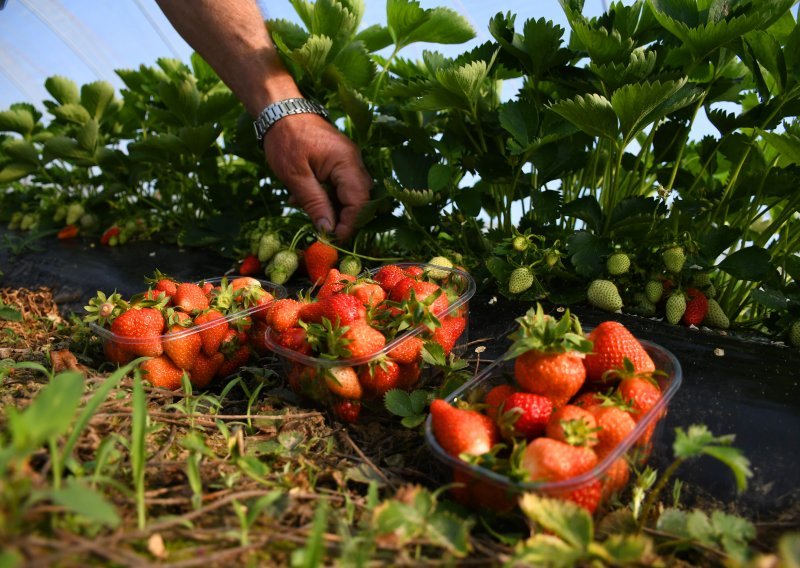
point(311, 196)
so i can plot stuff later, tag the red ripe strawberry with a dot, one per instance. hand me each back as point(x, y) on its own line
point(368, 293)
point(116, 353)
point(319, 258)
point(613, 343)
point(283, 314)
point(343, 382)
point(574, 425)
point(525, 415)
point(696, 307)
point(557, 376)
point(341, 308)
point(616, 477)
point(587, 495)
point(258, 338)
point(461, 431)
point(640, 393)
point(379, 378)
point(68, 232)
point(422, 290)
point(447, 335)
point(112, 231)
point(211, 334)
point(182, 345)
point(409, 375)
point(388, 276)
point(250, 265)
point(205, 368)
point(495, 398)
point(414, 271)
point(587, 399)
point(408, 351)
point(234, 359)
point(614, 426)
point(244, 282)
point(333, 283)
point(546, 459)
point(475, 492)
point(207, 288)
point(294, 338)
point(309, 382)
point(142, 327)
point(363, 339)
point(190, 297)
point(347, 410)
point(162, 373)
point(260, 299)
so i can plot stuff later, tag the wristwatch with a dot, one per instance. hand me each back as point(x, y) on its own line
point(277, 110)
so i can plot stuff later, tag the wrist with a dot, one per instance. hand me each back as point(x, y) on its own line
point(281, 109)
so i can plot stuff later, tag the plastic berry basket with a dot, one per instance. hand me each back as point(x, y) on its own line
point(112, 340)
point(495, 490)
point(461, 289)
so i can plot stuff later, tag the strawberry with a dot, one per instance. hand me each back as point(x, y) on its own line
point(549, 355)
point(190, 297)
point(283, 314)
point(716, 316)
point(363, 339)
point(142, 327)
point(550, 460)
point(164, 284)
point(520, 243)
point(587, 399)
point(674, 259)
point(333, 283)
point(378, 378)
point(408, 375)
point(116, 353)
point(613, 343)
point(68, 232)
point(461, 431)
point(495, 398)
point(654, 289)
point(250, 265)
point(438, 268)
point(520, 280)
point(574, 425)
point(696, 307)
point(347, 410)
point(307, 381)
point(676, 307)
point(268, 245)
point(414, 272)
point(294, 338)
point(340, 308)
point(603, 294)
point(368, 293)
point(408, 351)
point(319, 258)
point(587, 495)
point(108, 234)
point(259, 299)
point(480, 494)
point(525, 415)
point(447, 335)
point(614, 426)
point(286, 260)
point(794, 334)
point(350, 265)
point(388, 276)
point(618, 263)
point(211, 334)
point(615, 478)
point(641, 393)
point(234, 359)
point(244, 282)
point(204, 369)
point(421, 291)
point(162, 373)
point(343, 381)
point(258, 338)
point(182, 345)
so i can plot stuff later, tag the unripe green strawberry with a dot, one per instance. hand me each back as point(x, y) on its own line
point(254, 238)
point(268, 245)
point(88, 220)
point(520, 243)
point(701, 279)
point(552, 257)
point(74, 213)
point(439, 273)
point(674, 259)
point(350, 265)
point(676, 307)
point(28, 222)
point(16, 218)
point(520, 280)
point(715, 317)
point(277, 275)
point(654, 289)
point(710, 291)
point(604, 295)
point(60, 213)
point(642, 305)
point(794, 334)
point(286, 260)
point(618, 263)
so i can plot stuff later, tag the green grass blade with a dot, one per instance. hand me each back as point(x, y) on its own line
point(138, 457)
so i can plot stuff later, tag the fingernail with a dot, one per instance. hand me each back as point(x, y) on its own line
point(324, 225)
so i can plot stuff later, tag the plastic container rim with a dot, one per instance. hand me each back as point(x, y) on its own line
point(579, 480)
point(276, 290)
point(307, 360)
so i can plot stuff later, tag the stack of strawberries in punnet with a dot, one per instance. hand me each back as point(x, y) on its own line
point(358, 338)
point(572, 402)
point(203, 330)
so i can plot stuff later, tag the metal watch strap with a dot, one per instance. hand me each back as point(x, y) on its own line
point(277, 110)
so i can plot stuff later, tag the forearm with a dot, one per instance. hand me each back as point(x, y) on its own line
point(231, 36)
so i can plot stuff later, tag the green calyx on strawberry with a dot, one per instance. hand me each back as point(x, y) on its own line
point(103, 309)
point(538, 331)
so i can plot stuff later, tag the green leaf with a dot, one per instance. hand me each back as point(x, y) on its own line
point(413, 421)
point(770, 297)
point(641, 104)
point(17, 120)
point(215, 106)
point(717, 240)
point(63, 89)
point(336, 19)
point(87, 135)
point(63, 148)
point(592, 114)
point(698, 440)
point(768, 54)
point(627, 550)
point(313, 55)
point(96, 97)
point(312, 553)
point(292, 35)
point(199, 138)
point(449, 531)
point(161, 147)
point(674, 522)
point(520, 119)
point(399, 403)
point(546, 550)
point(86, 502)
point(587, 252)
point(8, 313)
point(733, 458)
point(751, 263)
point(182, 98)
point(51, 412)
point(357, 109)
point(409, 23)
point(433, 354)
point(587, 209)
point(21, 151)
point(792, 266)
point(72, 112)
point(16, 170)
point(465, 81)
point(439, 177)
point(354, 66)
point(564, 519)
point(786, 144)
point(375, 37)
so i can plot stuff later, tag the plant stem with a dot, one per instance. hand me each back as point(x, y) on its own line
point(650, 502)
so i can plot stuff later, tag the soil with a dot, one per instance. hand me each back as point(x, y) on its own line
point(745, 386)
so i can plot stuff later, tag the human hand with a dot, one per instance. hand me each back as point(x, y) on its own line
point(305, 151)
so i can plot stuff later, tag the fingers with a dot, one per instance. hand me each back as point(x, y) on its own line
point(352, 183)
point(310, 195)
